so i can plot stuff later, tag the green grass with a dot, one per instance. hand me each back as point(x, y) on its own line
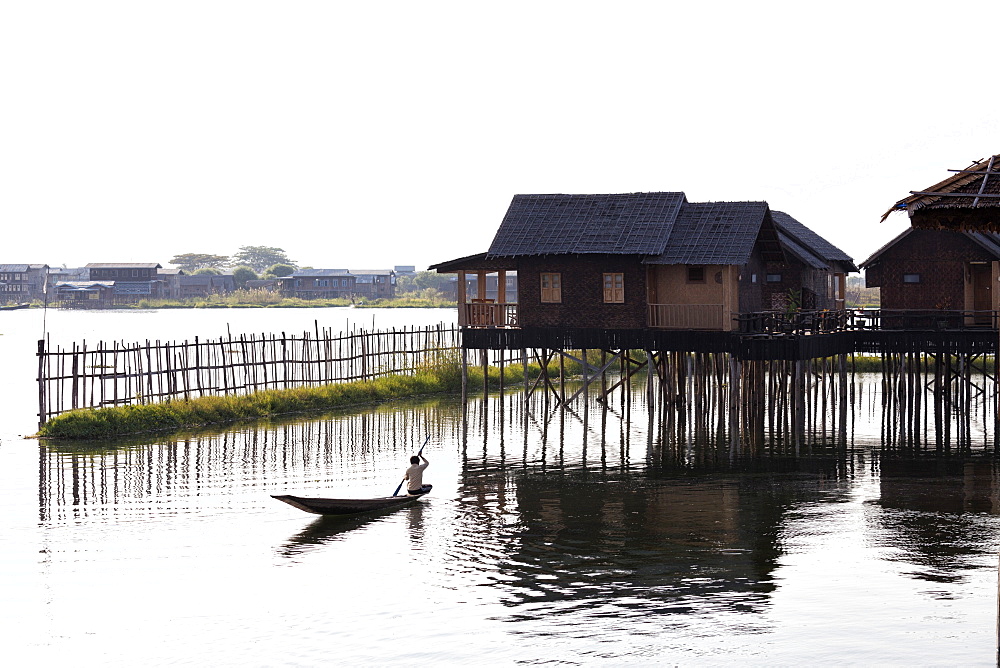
point(180, 414)
point(271, 299)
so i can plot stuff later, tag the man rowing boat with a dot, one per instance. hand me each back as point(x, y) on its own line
point(415, 476)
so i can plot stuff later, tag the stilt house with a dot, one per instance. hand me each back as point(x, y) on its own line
point(950, 258)
point(645, 261)
point(937, 270)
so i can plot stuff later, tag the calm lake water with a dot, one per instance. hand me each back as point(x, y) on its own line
point(580, 537)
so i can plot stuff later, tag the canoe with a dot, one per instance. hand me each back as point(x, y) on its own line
point(322, 506)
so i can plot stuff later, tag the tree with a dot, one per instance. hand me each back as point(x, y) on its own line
point(431, 279)
point(191, 262)
point(259, 258)
point(207, 271)
point(243, 274)
point(280, 270)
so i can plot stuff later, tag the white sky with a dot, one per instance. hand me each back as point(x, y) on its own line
point(367, 135)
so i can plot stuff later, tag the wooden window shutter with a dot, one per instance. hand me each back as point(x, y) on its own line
point(551, 287)
point(614, 288)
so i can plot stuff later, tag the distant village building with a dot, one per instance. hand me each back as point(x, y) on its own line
point(170, 283)
point(646, 260)
point(67, 274)
point(204, 285)
point(271, 284)
point(133, 281)
point(340, 283)
point(84, 294)
point(374, 283)
point(319, 284)
point(22, 283)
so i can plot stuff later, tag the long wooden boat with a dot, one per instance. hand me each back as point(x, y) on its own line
point(321, 506)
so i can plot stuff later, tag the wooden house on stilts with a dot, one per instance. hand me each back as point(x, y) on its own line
point(643, 270)
point(946, 266)
point(654, 272)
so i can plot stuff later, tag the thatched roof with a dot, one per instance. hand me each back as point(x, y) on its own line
point(967, 200)
point(814, 243)
point(661, 228)
point(625, 224)
point(718, 233)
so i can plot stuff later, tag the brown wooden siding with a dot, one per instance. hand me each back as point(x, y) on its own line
point(582, 292)
point(940, 257)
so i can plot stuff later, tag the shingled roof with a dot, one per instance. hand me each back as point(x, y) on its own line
point(663, 227)
point(625, 224)
point(714, 233)
point(967, 200)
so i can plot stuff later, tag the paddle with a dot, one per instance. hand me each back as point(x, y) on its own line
point(419, 452)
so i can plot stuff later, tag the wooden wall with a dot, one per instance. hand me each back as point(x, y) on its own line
point(940, 257)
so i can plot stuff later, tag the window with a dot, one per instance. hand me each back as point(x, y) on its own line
point(135, 273)
point(551, 288)
point(614, 288)
point(911, 278)
point(696, 274)
point(773, 278)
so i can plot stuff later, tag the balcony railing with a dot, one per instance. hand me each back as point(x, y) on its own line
point(714, 317)
point(486, 313)
point(821, 322)
point(688, 316)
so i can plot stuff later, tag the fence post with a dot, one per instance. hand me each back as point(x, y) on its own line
point(42, 382)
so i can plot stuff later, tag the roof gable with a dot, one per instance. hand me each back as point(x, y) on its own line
point(809, 240)
point(623, 224)
point(988, 241)
point(806, 256)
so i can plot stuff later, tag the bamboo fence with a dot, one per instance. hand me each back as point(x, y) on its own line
point(119, 373)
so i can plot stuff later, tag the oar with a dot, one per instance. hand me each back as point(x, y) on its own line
point(419, 452)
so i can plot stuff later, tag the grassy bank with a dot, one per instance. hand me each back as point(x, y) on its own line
point(121, 421)
point(117, 421)
point(271, 299)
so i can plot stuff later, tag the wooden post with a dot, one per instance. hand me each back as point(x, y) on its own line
point(42, 381)
point(462, 299)
point(842, 373)
point(481, 284)
point(799, 397)
point(465, 375)
point(735, 372)
point(650, 403)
